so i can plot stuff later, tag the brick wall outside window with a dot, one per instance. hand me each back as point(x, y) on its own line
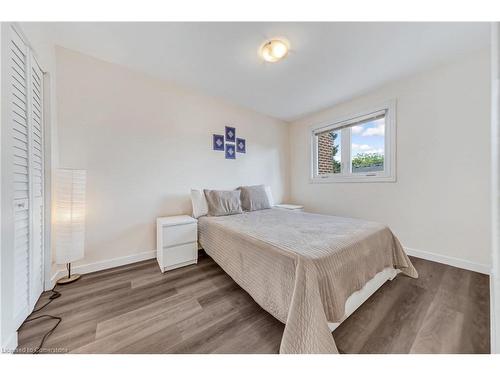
point(325, 159)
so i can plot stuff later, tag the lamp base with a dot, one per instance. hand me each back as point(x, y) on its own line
point(67, 280)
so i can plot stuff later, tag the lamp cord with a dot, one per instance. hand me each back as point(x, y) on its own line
point(55, 294)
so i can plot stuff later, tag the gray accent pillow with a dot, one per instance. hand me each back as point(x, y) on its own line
point(221, 203)
point(254, 198)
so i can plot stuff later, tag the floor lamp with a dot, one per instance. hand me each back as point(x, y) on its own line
point(70, 219)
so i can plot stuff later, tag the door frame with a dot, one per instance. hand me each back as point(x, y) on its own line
point(47, 192)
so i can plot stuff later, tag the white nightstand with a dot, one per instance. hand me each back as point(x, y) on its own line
point(176, 241)
point(291, 207)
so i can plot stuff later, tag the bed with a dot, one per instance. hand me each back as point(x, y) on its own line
point(309, 271)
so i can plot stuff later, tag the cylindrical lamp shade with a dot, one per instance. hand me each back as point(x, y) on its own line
point(70, 215)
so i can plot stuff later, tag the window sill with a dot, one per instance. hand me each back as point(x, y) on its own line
point(343, 179)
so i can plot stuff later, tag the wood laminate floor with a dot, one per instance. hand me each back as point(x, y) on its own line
point(199, 309)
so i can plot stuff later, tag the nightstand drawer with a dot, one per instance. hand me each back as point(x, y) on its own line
point(178, 256)
point(179, 234)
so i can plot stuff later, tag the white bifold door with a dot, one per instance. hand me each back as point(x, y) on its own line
point(26, 107)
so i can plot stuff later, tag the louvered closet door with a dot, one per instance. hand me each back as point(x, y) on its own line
point(26, 80)
point(21, 155)
point(37, 196)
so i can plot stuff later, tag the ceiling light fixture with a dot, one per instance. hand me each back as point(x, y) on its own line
point(274, 50)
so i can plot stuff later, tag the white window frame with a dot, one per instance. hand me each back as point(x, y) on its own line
point(389, 172)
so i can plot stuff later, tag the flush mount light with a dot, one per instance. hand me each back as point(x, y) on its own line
point(274, 50)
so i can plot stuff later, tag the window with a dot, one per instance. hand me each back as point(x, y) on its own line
point(359, 148)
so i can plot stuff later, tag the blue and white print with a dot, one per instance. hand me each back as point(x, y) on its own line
point(230, 134)
point(241, 145)
point(230, 151)
point(218, 142)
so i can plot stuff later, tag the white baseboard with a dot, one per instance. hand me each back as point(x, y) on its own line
point(451, 261)
point(121, 261)
point(104, 265)
point(55, 276)
point(115, 262)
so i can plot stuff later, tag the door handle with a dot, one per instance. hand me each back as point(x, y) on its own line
point(20, 204)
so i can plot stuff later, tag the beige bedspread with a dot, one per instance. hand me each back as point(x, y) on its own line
point(301, 267)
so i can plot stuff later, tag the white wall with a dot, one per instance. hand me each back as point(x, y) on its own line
point(495, 163)
point(441, 200)
point(3, 332)
point(145, 143)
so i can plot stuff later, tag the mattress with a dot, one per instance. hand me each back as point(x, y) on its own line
point(302, 267)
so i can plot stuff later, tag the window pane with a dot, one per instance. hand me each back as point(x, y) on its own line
point(329, 152)
point(367, 146)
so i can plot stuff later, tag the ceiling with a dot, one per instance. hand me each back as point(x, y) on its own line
point(328, 62)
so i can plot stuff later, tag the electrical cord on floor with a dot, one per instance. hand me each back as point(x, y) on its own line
point(55, 294)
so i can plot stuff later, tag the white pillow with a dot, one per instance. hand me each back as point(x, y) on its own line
point(199, 202)
point(269, 195)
